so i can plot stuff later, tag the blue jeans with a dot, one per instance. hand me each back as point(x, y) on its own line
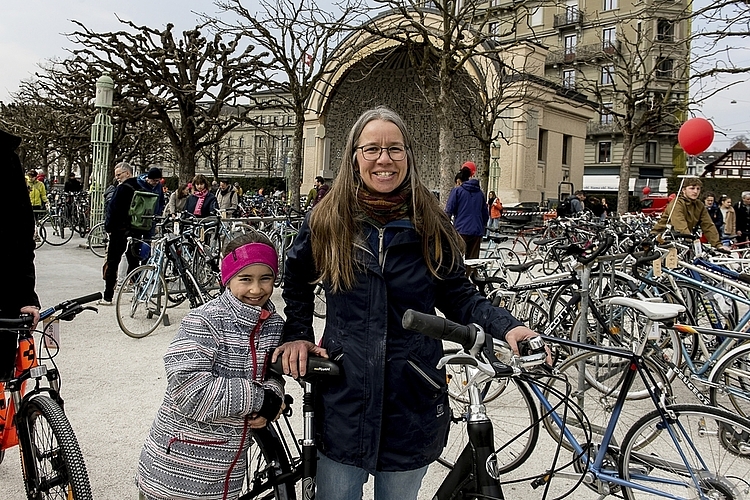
point(337, 481)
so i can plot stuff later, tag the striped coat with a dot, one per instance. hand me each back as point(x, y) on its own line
point(215, 369)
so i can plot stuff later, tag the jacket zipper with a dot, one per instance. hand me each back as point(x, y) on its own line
point(426, 377)
point(381, 254)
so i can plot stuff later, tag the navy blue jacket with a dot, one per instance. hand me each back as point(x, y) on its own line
point(389, 410)
point(158, 190)
point(209, 207)
point(469, 209)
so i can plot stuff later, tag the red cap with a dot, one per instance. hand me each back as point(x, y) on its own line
point(471, 166)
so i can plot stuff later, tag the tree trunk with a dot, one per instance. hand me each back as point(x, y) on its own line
point(622, 188)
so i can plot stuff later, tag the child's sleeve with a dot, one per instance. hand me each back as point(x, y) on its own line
point(194, 386)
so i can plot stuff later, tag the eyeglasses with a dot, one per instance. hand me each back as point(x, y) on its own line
point(372, 153)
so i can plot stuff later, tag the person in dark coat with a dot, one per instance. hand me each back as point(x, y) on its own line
point(714, 212)
point(202, 202)
point(467, 205)
point(72, 185)
point(117, 224)
point(380, 244)
point(742, 217)
point(17, 295)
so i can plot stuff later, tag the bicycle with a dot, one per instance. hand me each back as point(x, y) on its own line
point(277, 460)
point(52, 227)
point(97, 240)
point(33, 416)
point(673, 451)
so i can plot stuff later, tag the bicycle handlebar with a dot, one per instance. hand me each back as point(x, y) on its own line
point(603, 247)
point(440, 328)
point(70, 305)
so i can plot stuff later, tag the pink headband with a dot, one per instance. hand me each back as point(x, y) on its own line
point(247, 255)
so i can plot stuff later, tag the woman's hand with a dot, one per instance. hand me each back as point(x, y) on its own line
point(294, 356)
point(519, 333)
point(34, 312)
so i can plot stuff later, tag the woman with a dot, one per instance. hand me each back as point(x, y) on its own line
point(202, 202)
point(469, 210)
point(730, 220)
point(496, 209)
point(381, 245)
point(178, 200)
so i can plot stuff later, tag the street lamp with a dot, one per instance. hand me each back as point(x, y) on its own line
point(101, 138)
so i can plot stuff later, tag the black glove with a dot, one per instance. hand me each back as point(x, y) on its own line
point(271, 405)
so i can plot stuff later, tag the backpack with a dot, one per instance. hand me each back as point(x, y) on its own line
point(564, 208)
point(142, 210)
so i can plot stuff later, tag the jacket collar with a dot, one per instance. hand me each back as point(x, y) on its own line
point(246, 315)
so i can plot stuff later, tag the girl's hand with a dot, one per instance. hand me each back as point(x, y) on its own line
point(255, 421)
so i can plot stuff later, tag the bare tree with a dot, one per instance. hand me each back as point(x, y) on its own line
point(182, 85)
point(300, 38)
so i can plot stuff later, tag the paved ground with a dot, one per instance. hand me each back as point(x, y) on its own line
point(112, 385)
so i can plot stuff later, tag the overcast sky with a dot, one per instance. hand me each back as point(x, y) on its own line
point(32, 31)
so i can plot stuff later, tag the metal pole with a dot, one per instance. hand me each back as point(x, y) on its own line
point(101, 139)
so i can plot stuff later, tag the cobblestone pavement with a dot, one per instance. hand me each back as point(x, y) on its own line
point(113, 384)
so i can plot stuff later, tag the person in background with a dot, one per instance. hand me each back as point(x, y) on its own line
point(321, 189)
point(467, 205)
point(576, 202)
point(496, 209)
point(686, 211)
point(381, 244)
point(742, 214)
point(311, 196)
point(227, 199)
point(151, 182)
point(605, 208)
point(72, 185)
point(729, 230)
point(238, 189)
point(202, 203)
point(178, 200)
point(713, 211)
point(218, 386)
point(117, 224)
point(18, 295)
point(37, 196)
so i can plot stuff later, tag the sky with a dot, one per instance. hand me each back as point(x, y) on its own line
point(32, 31)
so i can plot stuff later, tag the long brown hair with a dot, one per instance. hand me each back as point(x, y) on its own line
point(335, 222)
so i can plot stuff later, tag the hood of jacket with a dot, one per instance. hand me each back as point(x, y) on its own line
point(472, 185)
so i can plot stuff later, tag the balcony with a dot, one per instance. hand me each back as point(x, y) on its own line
point(598, 128)
point(587, 52)
point(569, 18)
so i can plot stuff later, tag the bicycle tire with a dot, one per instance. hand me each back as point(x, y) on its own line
point(592, 405)
point(41, 237)
point(509, 258)
point(515, 437)
point(266, 460)
point(51, 458)
point(319, 304)
point(141, 301)
point(57, 230)
point(98, 240)
point(705, 436)
point(729, 381)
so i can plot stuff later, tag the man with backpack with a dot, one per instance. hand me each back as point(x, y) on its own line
point(572, 205)
point(118, 222)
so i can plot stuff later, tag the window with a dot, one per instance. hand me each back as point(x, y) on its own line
point(241, 141)
point(605, 114)
point(607, 77)
point(229, 162)
point(537, 17)
point(649, 152)
point(239, 163)
point(571, 12)
point(664, 68)
point(605, 152)
point(569, 78)
point(570, 42)
point(259, 141)
point(566, 143)
point(664, 30)
point(542, 147)
point(229, 141)
point(610, 4)
point(608, 39)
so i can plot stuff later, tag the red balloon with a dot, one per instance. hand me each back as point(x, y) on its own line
point(646, 190)
point(696, 135)
point(672, 197)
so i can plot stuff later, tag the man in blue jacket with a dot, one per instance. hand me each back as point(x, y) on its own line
point(469, 211)
point(151, 182)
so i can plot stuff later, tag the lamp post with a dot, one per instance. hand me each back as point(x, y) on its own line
point(494, 179)
point(101, 138)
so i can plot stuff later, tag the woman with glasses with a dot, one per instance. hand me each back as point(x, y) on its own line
point(381, 244)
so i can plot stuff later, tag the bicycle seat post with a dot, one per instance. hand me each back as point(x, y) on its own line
point(309, 452)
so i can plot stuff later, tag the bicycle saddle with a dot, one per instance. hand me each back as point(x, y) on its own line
point(655, 311)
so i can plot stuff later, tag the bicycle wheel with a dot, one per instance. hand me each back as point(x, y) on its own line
point(41, 237)
point(52, 462)
point(552, 262)
point(57, 230)
point(730, 381)
point(176, 293)
point(591, 382)
point(319, 306)
point(141, 301)
point(696, 452)
point(97, 240)
point(509, 258)
point(511, 408)
point(266, 460)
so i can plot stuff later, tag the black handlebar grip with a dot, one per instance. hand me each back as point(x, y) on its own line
point(88, 298)
point(439, 328)
point(602, 248)
point(647, 258)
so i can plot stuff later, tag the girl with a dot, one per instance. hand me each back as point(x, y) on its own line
point(202, 202)
point(217, 388)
